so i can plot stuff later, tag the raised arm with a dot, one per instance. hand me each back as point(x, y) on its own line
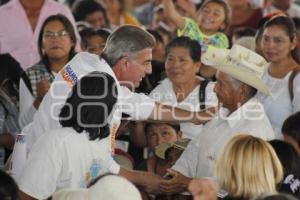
point(167, 113)
point(172, 14)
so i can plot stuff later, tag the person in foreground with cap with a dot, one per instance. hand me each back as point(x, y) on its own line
point(128, 52)
point(238, 77)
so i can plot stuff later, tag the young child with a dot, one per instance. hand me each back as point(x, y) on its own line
point(93, 40)
point(213, 17)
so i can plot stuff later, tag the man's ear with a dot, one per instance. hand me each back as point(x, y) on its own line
point(123, 63)
point(294, 43)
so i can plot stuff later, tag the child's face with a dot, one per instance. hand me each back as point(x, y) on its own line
point(292, 142)
point(95, 44)
point(159, 133)
point(212, 17)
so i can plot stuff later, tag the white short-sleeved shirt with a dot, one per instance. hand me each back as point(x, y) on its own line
point(279, 106)
point(46, 118)
point(198, 159)
point(164, 93)
point(63, 158)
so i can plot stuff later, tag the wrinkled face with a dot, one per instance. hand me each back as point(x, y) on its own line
point(212, 17)
point(96, 19)
point(276, 44)
point(57, 42)
point(180, 67)
point(95, 44)
point(224, 90)
point(158, 133)
point(137, 67)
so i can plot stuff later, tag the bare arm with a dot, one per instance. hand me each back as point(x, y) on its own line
point(172, 14)
point(149, 181)
point(173, 114)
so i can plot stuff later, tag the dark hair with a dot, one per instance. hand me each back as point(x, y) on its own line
point(156, 35)
point(291, 127)
point(192, 45)
point(244, 31)
point(69, 28)
point(176, 127)
point(296, 21)
point(87, 33)
point(86, 7)
point(8, 187)
point(227, 10)
point(287, 156)
point(288, 26)
point(90, 104)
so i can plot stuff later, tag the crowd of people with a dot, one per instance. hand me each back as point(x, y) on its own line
point(150, 100)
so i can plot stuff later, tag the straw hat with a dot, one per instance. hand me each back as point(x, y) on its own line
point(239, 63)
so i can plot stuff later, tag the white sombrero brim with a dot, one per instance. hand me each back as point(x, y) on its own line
point(217, 59)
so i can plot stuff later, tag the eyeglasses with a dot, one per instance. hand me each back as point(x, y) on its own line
point(60, 34)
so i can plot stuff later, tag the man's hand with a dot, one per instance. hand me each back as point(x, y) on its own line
point(42, 88)
point(206, 115)
point(153, 182)
point(149, 181)
point(177, 184)
point(203, 189)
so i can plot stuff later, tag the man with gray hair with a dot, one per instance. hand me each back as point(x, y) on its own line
point(127, 58)
point(238, 78)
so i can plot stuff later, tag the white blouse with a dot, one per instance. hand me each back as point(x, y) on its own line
point(279, 106)
point(164, 93)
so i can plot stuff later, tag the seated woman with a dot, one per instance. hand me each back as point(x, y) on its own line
point(183, 87)
point(248, 167)
point(56, 44)
point(80, 151)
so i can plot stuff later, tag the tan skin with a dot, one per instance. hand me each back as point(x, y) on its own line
point(277, 47)
point(203, 189)
point(57, 49)
point(114, 11)
point(212, 11)
point(32, 9)
point(181, 70)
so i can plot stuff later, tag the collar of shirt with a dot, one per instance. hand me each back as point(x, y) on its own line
point(252, 109)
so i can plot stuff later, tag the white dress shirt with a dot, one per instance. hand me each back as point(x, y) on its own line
point(198, 159)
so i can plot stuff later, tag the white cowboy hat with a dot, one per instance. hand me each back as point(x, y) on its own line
point(108, 187)
point(240, 63)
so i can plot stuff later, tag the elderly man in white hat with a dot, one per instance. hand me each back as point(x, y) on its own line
point(238, 78)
